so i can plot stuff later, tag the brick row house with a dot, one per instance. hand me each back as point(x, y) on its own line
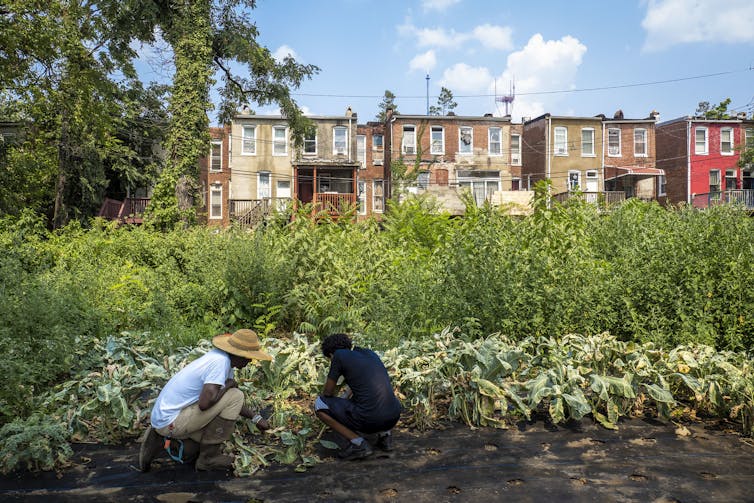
point(253, 167)
point(700, 158)
point(595, 157)
point(450, 154)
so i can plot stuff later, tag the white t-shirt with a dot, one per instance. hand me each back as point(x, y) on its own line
point(184, 388)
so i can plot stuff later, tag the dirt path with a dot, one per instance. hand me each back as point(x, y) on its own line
point(642, 461)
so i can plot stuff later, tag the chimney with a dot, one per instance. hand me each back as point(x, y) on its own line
point(349, 112)
point(618, 114)
point(654, 114)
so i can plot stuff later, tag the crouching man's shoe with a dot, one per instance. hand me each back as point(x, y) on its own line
point(384, 442)
point(354, 451)
point(151, 445)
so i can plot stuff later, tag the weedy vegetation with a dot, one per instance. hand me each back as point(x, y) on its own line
point(487, 320)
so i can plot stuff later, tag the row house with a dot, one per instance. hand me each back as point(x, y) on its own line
point(373, 173)
point(267, 172)
point(596, 157)
point(449, 154)
point(700, 158)
point(214, 175)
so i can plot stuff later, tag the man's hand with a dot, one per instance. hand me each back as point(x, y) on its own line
point(263, 425)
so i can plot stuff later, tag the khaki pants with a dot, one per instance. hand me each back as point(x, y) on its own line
point(191, 421)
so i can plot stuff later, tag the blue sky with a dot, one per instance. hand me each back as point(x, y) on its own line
point(567, 58)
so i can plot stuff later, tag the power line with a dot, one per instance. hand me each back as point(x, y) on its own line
point(537, 93)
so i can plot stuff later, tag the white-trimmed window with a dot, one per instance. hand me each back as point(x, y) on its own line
point(408, 142)
point(279, 140)
point(726, 141)
point(574, 180)
point(249, 140)
point(516, 149)
point(661, 185)
point(587, 142)
point(362, 187)
point(216, 201)
point(377, 142)
point(437, 140)
point(749, 137)
point(561, 141)
point(495, 141)
point(378, 196)
point(339, 140)
point(700, 141)
point(482, 184)
point(613, 142)
point(465, 140)
point(714, 180)
point(361, 150)
point(731, 179)
point(310, 142)
point(264, 187)
point(216, 156)
point(640, 142)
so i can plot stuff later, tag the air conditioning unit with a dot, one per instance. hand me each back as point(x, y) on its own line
point(409, 150)
point(377, 162)
point(516, 159)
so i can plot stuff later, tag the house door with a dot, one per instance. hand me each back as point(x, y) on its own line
point(283, 193)
point(592, 181)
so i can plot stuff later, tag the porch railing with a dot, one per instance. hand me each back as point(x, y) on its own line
point(249, 213)
point(334, 203)
point(742, 197)
point(130, 210)
point(608, 197)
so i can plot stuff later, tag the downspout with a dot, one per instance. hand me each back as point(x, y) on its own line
point(548, 152)
point(688, 162)
point(604, 183)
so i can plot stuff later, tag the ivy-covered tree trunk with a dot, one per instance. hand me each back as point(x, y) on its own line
point(174, 197)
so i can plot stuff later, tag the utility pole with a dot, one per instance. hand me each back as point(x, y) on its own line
point(427, 94)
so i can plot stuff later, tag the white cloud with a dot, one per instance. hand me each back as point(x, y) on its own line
point(438, 4)
point(423, 62)
point(282, 52)
point(494, 37)
point(438, 37)
point(462, 78)
point(541, 66)
point(489, 36)
point(670, 22)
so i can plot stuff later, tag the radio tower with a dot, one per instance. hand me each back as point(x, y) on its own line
point(508, 98)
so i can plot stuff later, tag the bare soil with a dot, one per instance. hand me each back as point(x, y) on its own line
point(645, 460)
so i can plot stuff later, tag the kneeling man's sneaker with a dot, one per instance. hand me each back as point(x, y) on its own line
point(384, 442)
point(354, 451)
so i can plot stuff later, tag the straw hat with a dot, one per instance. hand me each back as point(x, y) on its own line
point(244, 343)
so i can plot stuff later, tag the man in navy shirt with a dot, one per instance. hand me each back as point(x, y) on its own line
point(372, 408)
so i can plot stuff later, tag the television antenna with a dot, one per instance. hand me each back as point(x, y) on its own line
point(506, 99)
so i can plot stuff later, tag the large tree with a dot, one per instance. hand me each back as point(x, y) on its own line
point(210, 36)
point(58, 59)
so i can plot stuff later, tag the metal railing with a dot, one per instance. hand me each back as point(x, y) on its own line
point(608, 197)
point(741, 197)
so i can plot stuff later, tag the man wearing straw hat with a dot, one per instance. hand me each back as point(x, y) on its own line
point(201, 404)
